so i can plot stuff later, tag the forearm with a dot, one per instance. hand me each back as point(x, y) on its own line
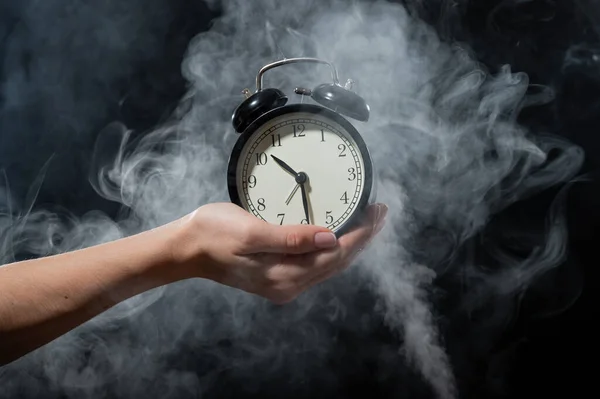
point(44, 298)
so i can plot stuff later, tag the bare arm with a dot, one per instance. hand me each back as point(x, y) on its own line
point(43, 299)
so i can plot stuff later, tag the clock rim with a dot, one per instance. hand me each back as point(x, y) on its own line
point(245, 136)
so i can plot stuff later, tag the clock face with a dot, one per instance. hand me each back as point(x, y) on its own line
point(301, 148)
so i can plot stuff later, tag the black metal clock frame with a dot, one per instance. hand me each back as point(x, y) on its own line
point(249, 132)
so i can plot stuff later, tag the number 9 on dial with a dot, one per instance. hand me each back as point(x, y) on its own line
point(301, 163)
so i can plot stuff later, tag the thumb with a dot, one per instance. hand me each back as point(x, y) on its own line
point(294, 239)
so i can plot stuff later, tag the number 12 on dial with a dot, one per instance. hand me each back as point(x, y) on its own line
point(302, 164)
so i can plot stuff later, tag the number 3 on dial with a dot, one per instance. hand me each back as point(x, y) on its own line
point(300, 160)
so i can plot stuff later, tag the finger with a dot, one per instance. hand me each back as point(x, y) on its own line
point(320, 278)
point(331, 261)
point(358, 238)
point(377, 226)
point(294, 239)
point(305, 266)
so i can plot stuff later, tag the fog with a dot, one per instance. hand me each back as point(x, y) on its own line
point(449, 155)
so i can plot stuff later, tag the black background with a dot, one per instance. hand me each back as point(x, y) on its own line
point(548, 356)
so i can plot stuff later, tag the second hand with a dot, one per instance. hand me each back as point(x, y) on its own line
point(287, 202)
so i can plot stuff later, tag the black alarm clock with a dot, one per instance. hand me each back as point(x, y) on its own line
point(301, 163)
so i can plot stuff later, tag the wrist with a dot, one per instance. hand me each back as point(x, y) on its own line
point(187, 253)
point(162, 264)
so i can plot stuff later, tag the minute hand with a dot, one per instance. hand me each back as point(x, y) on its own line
point(304, 201)
point(284, 165)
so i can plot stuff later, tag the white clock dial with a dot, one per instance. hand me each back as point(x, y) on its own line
point(309, 143)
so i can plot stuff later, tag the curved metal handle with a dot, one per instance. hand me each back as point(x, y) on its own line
point(259, 77)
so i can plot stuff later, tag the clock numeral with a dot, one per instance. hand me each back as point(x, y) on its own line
point(282, 216)
point(352, 172)
point(328, 217)
point(322, 136)
point(252, 181)
point(299, 131)
point(261, 204)
point(276, 140)
point(342, 148)
point(344, 198)
point(261, 158)
point(304, 221)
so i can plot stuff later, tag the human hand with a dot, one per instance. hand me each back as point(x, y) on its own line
point(226, 244)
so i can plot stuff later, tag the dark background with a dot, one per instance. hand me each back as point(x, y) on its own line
point(554, 42)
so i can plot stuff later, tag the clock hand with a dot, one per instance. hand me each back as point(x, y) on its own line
point(284, 165)
point(287, 202)
point(301, 179)
point(305, 202)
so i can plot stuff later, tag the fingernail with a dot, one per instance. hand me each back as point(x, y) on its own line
point(325, 240)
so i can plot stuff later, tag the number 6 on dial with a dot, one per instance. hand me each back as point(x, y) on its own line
point(301, 163)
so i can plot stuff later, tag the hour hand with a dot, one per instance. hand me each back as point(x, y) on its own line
point(284, 165)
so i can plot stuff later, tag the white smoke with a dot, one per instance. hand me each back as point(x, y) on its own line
point(448, 152)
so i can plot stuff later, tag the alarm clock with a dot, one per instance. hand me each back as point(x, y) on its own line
point(301, 163)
